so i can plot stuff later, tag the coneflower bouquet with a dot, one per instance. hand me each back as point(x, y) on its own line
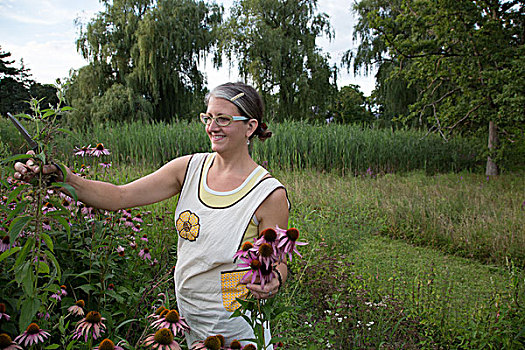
point(273, 246)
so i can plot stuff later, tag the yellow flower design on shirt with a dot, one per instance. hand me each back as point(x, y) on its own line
point(188, 225)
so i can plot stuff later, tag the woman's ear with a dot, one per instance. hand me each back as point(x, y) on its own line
point(252, 126)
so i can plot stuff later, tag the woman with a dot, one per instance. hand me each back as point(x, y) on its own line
point(225, 199)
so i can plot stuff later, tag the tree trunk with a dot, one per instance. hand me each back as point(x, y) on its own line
point(492, 168)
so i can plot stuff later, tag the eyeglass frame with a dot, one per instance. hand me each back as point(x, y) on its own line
point(231, 118)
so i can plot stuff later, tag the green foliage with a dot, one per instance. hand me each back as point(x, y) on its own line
point(345, 149)
point(152, 49)
point(16, 87)
point(354, 288)
point(350, 106)
point(465, 59)
point(274, 43)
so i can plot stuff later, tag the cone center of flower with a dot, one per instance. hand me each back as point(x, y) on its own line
point(5, 340)
point(292, 234)
point(5, 240)
point(106, 344)
point(246, 246)
point(80, 303)
point(2, 308)
point(255, 264)
point(93, 317)
point(213, 343)
point(100, 147)
point(164, 336)
point(266, 250)
point(33, 329)
point(172, 316)
point(270, 235)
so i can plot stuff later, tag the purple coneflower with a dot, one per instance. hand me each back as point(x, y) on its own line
point(5, 244)
point(158, 311)
point(144, 254)
point(213, 342)
point(93, 322)
point(269, 236)
point(43, 315)
point(46, 208)
point(82, 151)
point(7, 344)
point(59, 294)
point(255, 269)
point(99, 150)
point(46, 224)
point(288, 242)
point(105, 166)
point(138, 218)
point(244, 251)
point(32, 335)
point(162, 340)
point(173, 321)
point(266, 254)
point(107, 344)
point(77, 308)
point(144, 238)
point(120, 250)
point(136, 227)
point(3, 315)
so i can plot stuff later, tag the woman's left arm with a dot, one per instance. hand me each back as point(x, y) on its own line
point(272, 212)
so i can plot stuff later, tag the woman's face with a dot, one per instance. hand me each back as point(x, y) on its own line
point(233, 136)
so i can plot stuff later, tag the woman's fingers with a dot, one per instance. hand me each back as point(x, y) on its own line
point(269, 290)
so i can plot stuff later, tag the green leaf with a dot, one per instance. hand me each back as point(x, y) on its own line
point(9, 252)
point(20, 207)
point(17, 225)
point(27, 278)
point(125, 323)
point(42, 268)
point(64, 224)
point(87, 288)
point(41, 156)
point(67, 187)
point(48, 240)
point(30, 243)
point(29, 308)
point(16, 157)
point(12, 196)
point(52, 346)
point(55, 263)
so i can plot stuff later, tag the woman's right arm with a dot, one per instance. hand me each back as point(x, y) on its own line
point(155, 187)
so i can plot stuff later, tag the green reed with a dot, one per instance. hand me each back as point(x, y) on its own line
point(294, 145)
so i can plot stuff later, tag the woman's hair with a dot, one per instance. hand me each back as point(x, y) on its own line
point(247, 100)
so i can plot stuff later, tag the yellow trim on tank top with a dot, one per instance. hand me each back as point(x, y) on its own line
point(222, 201)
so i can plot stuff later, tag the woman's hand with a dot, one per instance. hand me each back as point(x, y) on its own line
point(28, 170)
point(269, 291)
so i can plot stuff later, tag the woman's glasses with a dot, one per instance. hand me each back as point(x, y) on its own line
point(221, 120)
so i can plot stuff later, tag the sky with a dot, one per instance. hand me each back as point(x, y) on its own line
point(43, 34)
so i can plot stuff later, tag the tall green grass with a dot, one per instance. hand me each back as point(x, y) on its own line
point(294, 145)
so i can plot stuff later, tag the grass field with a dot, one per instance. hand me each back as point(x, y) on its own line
point(377, 273)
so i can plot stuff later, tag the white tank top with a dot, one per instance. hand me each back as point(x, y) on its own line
point(211, 226)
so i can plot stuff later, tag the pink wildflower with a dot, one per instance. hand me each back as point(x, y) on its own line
point(32, 335)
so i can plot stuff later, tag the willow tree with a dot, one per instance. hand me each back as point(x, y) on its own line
point(466, 59)
point(273, 42)
point(152, 50)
